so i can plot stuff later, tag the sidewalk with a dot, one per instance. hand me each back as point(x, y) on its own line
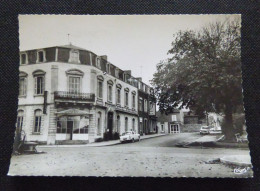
point(237, 160)
point(99, 144)
point(213, 141)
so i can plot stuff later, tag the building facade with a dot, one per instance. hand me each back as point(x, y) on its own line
point(170, 123)
point(146, 108)
point(69, 93)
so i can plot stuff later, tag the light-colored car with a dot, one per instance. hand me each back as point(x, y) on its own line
point(129, 136)
point(205, 130)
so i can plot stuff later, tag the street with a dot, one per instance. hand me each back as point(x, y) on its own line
point(155, 157)
point(166, 141)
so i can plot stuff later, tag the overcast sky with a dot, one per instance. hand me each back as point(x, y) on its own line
point(131, 42)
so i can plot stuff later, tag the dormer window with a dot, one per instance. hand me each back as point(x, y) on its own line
point(117, 73)
point(40, 56)
point(98, 63)
point(23, 59)
point(74, 56)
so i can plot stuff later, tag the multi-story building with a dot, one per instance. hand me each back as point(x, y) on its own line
point(146, 108)
point(69, 93)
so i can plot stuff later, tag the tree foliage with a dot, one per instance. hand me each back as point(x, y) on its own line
point(204, 71)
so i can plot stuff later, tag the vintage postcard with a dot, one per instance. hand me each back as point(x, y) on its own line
point(130, 96)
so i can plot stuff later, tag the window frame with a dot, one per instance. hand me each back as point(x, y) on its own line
point(38, 120)
point(26, 59)
point(24, 78)
point(42, 86)
point(43, 56)
point(20, 119)
point(79, 85)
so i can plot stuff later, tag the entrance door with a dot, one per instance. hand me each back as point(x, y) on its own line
point(70, 128)
point(110, 124)
point(175, 129)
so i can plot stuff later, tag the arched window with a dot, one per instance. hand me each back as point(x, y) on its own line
point(133, 124)
point(22, 83)
point(118, 123)
point(126, 124)
point(39, 79)
point(19, 121)
point(37, 120)
point(99, 119)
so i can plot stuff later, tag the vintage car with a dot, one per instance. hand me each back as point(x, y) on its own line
point(129, 136)
point(205, 130)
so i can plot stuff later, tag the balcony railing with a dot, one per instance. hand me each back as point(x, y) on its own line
point(74, 96)
point(126, 109)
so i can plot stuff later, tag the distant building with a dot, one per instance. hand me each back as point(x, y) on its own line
point(69, 93)
point(170, 123)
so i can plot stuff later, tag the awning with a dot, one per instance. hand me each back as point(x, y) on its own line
point(72, 112)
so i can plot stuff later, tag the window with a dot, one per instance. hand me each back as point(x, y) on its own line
point(133, 124)
point(145, 105)
point(126, 98)
point(117, 73)
point(74, 84)
point(23, 59)
point(99, 123)
point(74, 56)
point(133, 101)
point(22, 86)
point(118, 100)
point(40, 56)
point(39, 85)
point(126, 124)
point(174, 118)
point(162, 127)
point(109, 93)
point(100, 89)
point(118, 124)
point(19, 121)
point(98, 63)
point(37, 120)
point(140, 104)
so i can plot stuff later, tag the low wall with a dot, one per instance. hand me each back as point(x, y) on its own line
point(190, 128)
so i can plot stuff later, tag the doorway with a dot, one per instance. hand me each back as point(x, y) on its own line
point(70, 129)
point(175, 128)
point(110, 124)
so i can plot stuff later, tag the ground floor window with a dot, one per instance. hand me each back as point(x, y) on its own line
point(126, 124)
point(162, 127)
point(77, 125)
point(37, 120)
point(133, 124)
point(19, 121)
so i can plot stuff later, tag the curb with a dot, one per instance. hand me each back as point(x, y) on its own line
point(229, 162)
point(142, 138)
point(89, 145)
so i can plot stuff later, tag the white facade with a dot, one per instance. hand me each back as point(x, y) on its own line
point(74, 103)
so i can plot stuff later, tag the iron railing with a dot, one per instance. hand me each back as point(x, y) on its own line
point(74, 96)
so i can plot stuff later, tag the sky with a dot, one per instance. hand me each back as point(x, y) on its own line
point(131, 42)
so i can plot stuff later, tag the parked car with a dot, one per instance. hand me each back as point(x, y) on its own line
point(205, 130)
point(129, 136)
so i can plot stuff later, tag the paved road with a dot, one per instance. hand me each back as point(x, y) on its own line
point(133, 159)
point(164, 141)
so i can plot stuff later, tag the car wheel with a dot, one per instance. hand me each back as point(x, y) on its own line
point(133, 140)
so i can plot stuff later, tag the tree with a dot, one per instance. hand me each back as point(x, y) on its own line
point(204, 72)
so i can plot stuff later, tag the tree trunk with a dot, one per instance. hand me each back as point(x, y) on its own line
point(228, 128)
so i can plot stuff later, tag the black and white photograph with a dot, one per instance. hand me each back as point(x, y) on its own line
point(130, 96)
